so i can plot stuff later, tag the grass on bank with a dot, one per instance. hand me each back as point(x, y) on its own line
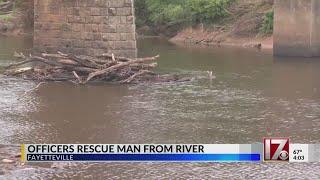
point(183, 12)
point(6, 17)
point(267, 25)
point(161, 15)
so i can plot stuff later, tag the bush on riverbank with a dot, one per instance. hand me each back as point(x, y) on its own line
point(6, 17)
point(267, 25)
point(182, 12)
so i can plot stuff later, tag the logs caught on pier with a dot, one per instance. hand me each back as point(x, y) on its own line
point(82, 69)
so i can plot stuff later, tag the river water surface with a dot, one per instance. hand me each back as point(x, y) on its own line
point(255, 95)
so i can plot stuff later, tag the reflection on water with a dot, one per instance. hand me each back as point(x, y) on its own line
point(253, 96)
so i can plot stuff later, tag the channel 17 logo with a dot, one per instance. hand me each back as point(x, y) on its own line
point(276, 149)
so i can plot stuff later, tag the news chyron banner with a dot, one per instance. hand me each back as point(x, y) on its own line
point(271, 150)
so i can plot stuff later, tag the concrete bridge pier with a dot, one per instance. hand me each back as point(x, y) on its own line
point(89, 27)
point(297, 28)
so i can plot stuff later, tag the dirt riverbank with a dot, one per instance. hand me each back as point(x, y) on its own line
point(207, 38)
point(242, 28)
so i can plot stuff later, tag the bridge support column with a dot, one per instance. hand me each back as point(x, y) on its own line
point(297, 28)
point(89, 27)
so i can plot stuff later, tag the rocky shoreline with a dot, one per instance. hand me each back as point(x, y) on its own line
point(195, 39)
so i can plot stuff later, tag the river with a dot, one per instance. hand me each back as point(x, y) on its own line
point(255, 95)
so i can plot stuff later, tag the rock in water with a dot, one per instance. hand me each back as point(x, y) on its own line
point(17, 156)
point(7, 161)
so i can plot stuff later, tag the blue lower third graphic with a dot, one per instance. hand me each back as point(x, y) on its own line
point(146, 157)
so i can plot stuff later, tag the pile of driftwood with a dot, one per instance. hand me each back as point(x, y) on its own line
point(6, 7)
point(82, 69)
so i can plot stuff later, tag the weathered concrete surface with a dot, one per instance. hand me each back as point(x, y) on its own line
point(85, 26)
point(297, 28)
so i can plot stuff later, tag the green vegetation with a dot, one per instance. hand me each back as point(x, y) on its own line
point(187, 12)
point(267, 25)
point(6, 17)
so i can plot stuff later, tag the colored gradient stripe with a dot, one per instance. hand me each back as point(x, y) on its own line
point(166, 157)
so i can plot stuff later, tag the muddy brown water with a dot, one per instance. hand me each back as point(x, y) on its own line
point(255, 95)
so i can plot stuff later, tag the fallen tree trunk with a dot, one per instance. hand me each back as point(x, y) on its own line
point(131, 78)
point(81, 69)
